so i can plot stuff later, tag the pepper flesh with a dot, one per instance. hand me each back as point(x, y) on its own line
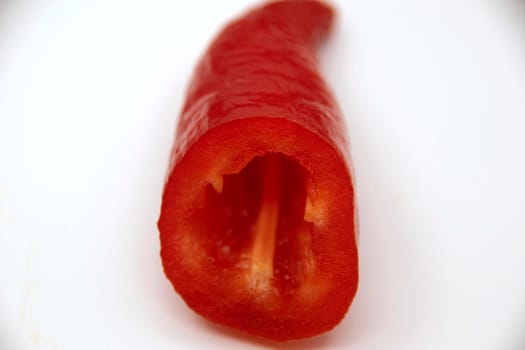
point(258, 224)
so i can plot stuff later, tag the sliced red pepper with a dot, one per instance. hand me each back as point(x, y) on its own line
point(257, 225)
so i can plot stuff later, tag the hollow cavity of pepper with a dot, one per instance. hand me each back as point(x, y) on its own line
point(255, 224)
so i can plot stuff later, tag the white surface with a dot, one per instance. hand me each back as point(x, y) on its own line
point(434, 95)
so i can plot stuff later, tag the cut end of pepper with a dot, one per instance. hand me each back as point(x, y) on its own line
point(262, 238)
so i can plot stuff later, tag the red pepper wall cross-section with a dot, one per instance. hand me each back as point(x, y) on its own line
point(257, 225)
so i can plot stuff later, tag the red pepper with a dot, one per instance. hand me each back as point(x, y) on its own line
point(257, 225)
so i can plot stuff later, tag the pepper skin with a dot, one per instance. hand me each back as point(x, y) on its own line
point(258, 225)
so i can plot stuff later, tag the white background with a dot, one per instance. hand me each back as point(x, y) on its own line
point(434, 97)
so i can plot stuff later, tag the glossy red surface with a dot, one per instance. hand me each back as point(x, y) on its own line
point(264, 64)
point(257, 91)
